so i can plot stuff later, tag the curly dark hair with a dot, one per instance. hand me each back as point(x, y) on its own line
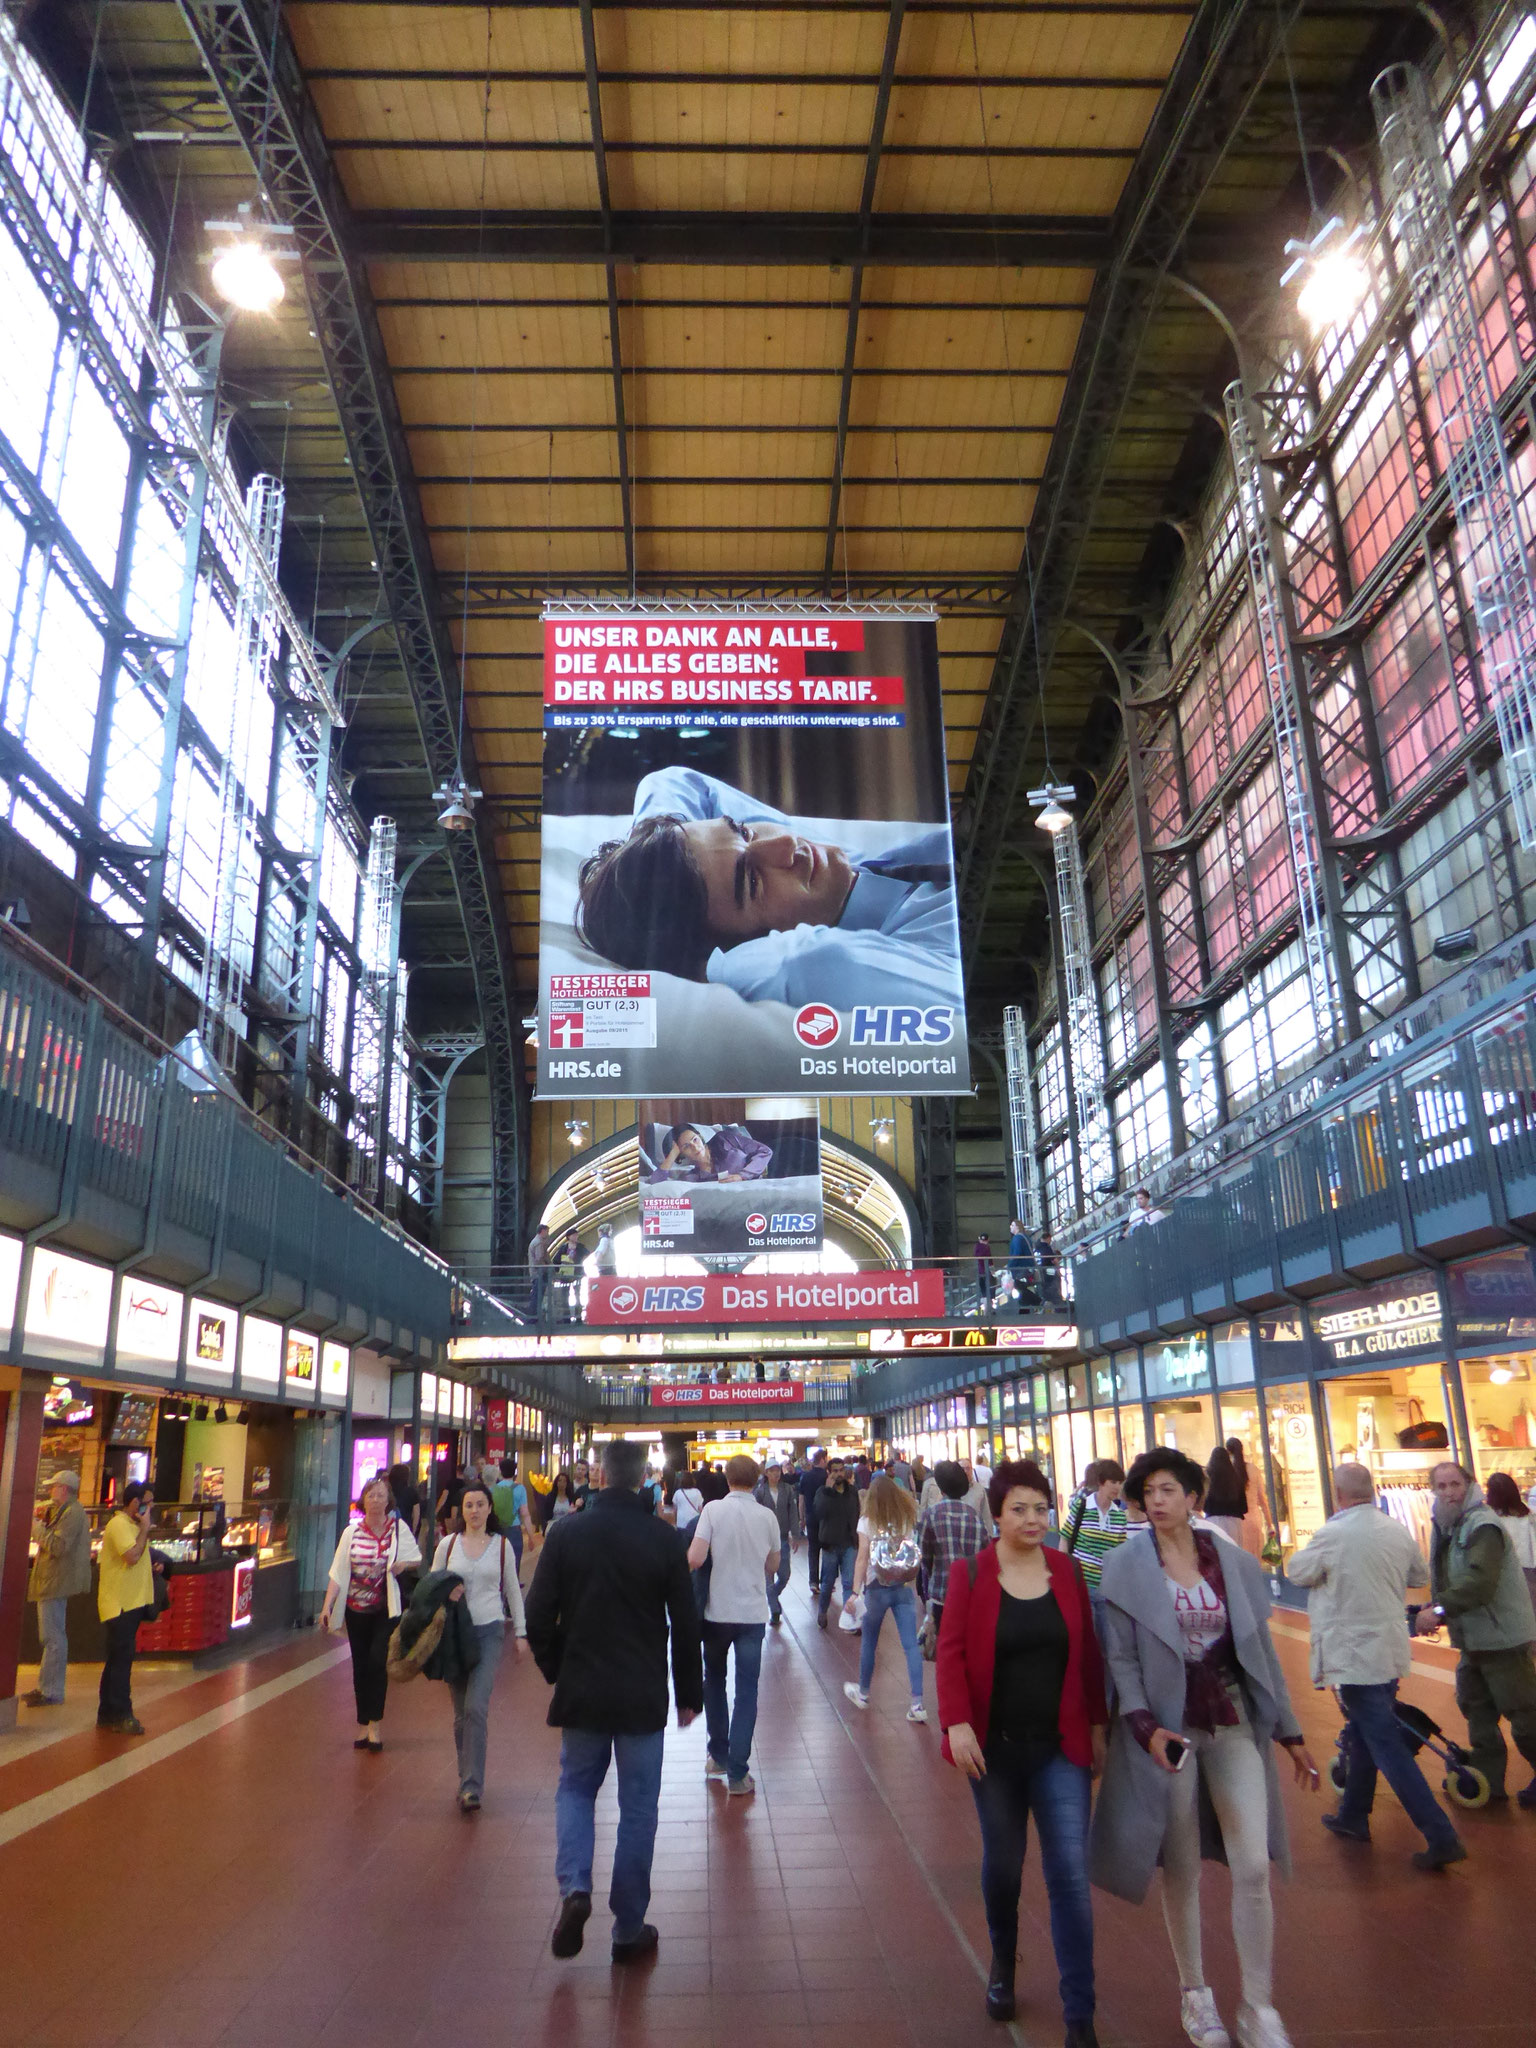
point(1015, 1472)
point(643, 903)
point(1164, 1459)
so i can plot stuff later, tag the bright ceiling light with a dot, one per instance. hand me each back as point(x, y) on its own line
point(1053, 818)
point(1054, 796)
point(1501, 1375)
point(1334, 279)
point(458, 802)
point(576, 1130)
point(245, 275)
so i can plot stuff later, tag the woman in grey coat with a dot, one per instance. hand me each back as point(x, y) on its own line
point(1201, 1703)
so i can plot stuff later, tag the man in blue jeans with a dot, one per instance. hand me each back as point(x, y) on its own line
point(609, 1582)
point(1359, 1567)
point(836, 1515)
point(739, 1540)
point(774, 1491)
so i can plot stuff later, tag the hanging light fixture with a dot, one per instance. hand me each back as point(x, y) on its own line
point(458, 801)
point(882, 1127)
point(1334, 279)
point(245, 271)
point(1054, 796)
point(576, 1129)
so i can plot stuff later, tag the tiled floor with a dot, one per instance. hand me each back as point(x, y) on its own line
point(259, 1883)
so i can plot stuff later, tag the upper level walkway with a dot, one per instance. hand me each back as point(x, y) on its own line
point(242, 1879)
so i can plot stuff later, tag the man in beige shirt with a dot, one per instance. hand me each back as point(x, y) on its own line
point(60, 1570)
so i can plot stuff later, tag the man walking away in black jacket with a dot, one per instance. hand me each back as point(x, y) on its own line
point(812, 1480)
point(608, 1582)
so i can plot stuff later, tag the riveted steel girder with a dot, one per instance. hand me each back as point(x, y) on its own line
point(250, 54)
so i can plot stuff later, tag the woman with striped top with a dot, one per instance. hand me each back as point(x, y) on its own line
point(364, 1589)
point(1097, 1525)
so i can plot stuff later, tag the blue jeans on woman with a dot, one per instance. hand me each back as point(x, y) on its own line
point(900, 1603)
point(1025, 1778)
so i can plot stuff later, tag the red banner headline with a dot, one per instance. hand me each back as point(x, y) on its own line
point(771, 1298)
point(750, 1392)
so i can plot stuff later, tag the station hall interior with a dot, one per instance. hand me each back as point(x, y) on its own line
point(585, 586)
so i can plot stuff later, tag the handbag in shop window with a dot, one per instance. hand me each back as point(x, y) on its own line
point(1421, 1435)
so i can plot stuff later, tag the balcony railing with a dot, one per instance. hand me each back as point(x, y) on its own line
point(113, 1147)
point(1432, 1155)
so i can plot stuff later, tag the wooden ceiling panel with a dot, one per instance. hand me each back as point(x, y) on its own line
point(990, 403)
point(740, 453)
point(969, 184)
point(727, 39)
point(1032, 43)
point(722, 401)
point(797, 116)
point(744, 284)
point(913, 503)
point(764, 506)
point(1013, 343)
point(914, 553)
point(498, 749)
point(346, 34)
point(730, 554)
point(534, 506)
point(751, 338)
point(424, 180)
point(938, 455)
point(417, 110)
point(492, 638)
point(489, 284)
point(498, 451)
point(945, 117)
point(1048, 288)
point(491, 398)
point(511, 337)
point(554, 554)
point(715, 183)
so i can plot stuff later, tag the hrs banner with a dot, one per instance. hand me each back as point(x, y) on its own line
point(729, 1179)
point(747, 884)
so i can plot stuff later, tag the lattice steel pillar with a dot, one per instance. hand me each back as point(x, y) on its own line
point(222, 990)
point(1498, 566)
point(1023, 1129)
point(370, 1023)
point(1302, 824)
point(1083, 1023)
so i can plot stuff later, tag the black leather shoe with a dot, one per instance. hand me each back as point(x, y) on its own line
point(644, 1944)
point(821, 1620)
point(1000, 1985)
point(575, 1911)
point(1080, 2034)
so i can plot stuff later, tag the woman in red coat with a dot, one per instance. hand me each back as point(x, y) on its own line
point(1021, 1702)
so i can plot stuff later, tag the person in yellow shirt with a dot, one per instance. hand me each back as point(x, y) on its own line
point(125, 1596)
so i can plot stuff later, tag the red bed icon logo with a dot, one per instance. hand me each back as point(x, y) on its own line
point(757, 1223)
point(815, 1024)
point(624, 1300)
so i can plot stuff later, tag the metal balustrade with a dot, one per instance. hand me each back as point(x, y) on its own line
point(112, 1147)
point(1427, 1157)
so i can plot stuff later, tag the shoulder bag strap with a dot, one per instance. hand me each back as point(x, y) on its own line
point(1075, 1521)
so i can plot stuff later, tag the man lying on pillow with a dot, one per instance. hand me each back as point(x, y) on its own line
point(713, 885)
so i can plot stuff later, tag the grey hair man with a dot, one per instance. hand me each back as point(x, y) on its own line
point(1359, 1568)
point(60, 1570)
point(1481, 1596)
point(612, 1583)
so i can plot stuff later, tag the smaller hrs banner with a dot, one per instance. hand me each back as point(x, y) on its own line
point(729, 1179)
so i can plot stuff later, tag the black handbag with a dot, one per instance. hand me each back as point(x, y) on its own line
point(1421, 1435)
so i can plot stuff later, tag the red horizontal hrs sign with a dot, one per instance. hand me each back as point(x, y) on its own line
point(751, 1393)
point(770, 1298)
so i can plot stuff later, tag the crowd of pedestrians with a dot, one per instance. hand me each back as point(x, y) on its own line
point(1128, 1649)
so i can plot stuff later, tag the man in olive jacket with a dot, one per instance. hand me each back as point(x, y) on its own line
point(608, 1583)
point(1481, 1596)
point(61, 1569)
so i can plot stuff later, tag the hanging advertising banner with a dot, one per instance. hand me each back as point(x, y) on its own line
point(729, 1179)
point(747, 881)
point(734, 1393)
point(767, 1298)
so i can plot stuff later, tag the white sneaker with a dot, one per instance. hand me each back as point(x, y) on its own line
point(860, 1699)
point(712, 1769)
point(1201, 2020)
point(1260, 2026)
point(916, 1713)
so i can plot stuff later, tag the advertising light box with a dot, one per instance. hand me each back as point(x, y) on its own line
point(148, 1328)
point(212, 1330)
point(261, 1354)
point(302, 1364)
point(747, 878)
point(335, 1370)
point(729, 1178)
point(69, 1308)
point(10, 1282)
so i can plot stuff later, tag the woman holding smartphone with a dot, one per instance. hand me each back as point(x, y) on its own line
point(1201, 1705)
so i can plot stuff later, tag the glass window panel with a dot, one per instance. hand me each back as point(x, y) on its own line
point(1299, 1504)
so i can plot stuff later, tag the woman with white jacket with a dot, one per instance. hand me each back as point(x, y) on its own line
point(486, 1562)
point(364, 1588)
